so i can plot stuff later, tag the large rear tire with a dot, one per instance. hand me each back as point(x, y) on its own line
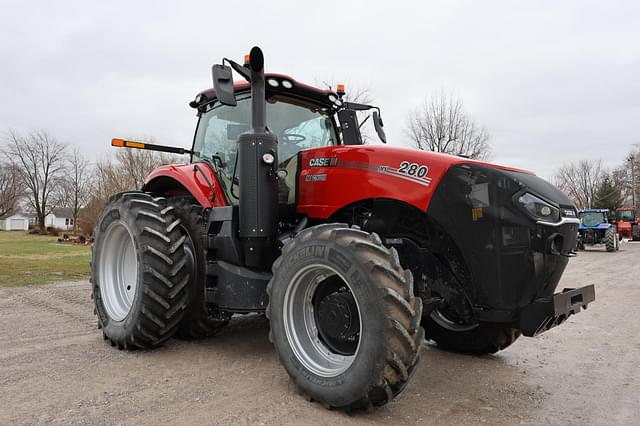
point(635, 232)
point(477, 339)
point(197, 323)
point(343, 316)
point(139, 271)
point(611, 239)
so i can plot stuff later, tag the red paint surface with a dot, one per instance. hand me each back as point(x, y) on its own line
point(361, 177)
point(194, 182)
point(357, 176)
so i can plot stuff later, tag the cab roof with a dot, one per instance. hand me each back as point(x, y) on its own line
point(277, 84)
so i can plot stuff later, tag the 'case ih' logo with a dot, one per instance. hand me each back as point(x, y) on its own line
point(323, 162)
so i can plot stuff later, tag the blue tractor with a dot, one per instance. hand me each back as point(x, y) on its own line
point(596, 229)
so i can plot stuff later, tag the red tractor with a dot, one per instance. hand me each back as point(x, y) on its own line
point(354, 252)
point(628, 223)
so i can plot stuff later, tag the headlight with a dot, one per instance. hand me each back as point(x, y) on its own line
point(539, 209)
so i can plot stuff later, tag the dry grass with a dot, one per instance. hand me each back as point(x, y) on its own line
point(38, 259)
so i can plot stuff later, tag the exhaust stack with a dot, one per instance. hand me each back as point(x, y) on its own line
point(257, 164)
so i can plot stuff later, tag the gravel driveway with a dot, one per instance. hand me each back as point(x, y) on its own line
point(55, 368)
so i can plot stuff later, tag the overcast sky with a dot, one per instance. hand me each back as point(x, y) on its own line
point(553, 81)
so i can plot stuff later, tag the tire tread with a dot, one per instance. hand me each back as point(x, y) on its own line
point(161, 308)
point(395, 292)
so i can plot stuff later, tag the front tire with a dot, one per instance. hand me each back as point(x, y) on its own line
point(139, 271)
point(344, 320)
point(478, 339)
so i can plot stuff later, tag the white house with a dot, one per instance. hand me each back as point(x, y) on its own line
point(14, 222)
point(61, 218)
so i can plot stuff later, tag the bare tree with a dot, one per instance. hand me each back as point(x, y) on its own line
point(358, 94)
point(580, 181)
point(623, 178)
point(11, 188)
point(632, 176)
point(40, 161)
point(77, 186)
point(353, 93)
point(441, 125)
point(127, 171)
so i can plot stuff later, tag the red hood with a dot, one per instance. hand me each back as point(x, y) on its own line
point(437, 157)
point(336, 176)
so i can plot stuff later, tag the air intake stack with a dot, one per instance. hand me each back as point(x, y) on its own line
point(257, 165)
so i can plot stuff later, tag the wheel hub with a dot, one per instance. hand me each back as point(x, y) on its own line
point(338, 321)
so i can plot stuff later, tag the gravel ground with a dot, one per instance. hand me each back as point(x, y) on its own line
point(55, 368)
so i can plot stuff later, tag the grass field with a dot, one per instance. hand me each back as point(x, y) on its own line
point(39, 259)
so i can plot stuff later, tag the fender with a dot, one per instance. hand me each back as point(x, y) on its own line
point(197, 179)
point(333, 177)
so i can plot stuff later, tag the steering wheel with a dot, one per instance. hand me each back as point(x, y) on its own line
point(290, 144)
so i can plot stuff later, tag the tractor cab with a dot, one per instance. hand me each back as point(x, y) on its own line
point(596, 218)
point(627, 214)
point(302, 117)
point(628, 223)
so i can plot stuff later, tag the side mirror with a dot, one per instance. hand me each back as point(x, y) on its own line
point(223, 84)
point(377, 123)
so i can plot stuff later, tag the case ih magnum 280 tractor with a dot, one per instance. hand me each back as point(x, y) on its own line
point(354, 252)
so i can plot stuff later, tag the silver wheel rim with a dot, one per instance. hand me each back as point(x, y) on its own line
point(118, 266)
point(301, 328)
point(446, 323)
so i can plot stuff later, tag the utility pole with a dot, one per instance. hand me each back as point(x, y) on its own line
point(632, 158)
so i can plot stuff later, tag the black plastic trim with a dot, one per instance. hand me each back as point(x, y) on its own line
point(548, 312)
point(238, 289)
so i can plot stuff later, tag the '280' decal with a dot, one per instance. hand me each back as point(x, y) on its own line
point(413, 169)
point(416, 173)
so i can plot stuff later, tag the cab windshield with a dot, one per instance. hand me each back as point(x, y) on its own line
point(592, 218)
point(297, 125)
point(627, 215)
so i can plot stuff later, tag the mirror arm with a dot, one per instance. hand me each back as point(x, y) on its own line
point(357, 107)
point(243, 71)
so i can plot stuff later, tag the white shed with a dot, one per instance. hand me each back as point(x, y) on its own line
point(14, 222)
point(60, 218)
